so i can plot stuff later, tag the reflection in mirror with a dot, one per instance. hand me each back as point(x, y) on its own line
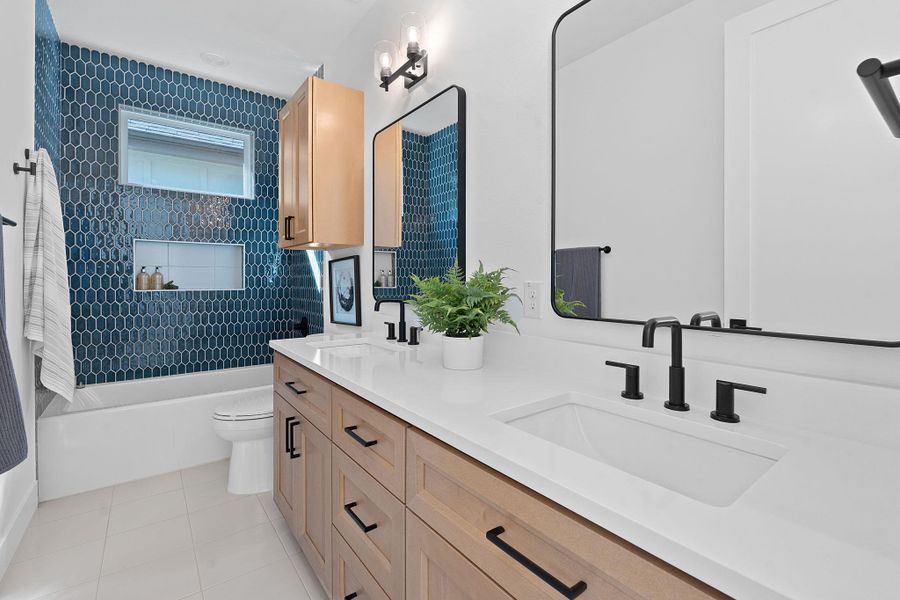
point(730, 159)
point(419, 195)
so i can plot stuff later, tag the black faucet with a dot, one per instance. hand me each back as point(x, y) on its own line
point(401, 338)
point(713, 317)
point(676, 370)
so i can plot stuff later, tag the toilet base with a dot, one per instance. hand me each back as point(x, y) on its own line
point(250, 471)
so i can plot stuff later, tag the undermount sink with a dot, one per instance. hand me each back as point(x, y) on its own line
point(702, 462)
point(358, 347)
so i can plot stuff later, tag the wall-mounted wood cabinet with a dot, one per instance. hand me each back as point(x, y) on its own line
point(388, 194)
point(320, 167)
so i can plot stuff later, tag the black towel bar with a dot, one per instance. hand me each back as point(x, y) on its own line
point(875, 77)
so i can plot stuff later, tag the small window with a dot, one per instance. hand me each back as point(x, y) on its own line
point(172, 153)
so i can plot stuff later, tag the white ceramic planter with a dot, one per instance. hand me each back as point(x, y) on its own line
point(463, 354)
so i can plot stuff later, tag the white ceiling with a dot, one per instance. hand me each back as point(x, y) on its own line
point(270, 45)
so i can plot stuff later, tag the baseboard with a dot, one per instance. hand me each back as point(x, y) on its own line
point(13, 536)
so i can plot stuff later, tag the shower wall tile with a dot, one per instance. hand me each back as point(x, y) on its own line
point(46, 82)
point(119, 334)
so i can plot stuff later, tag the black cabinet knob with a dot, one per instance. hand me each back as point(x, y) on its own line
point(632, 389)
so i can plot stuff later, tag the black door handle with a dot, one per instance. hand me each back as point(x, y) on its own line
point(365, 528)
point(351, 596)
point(288, 434)
point(351, 431)
point(290, 385)
point(293, 451)
point(287, 228)
point(576, 590)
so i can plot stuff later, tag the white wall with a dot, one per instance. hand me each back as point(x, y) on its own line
point(640, 160)
point(18, 487)
point(499, 51)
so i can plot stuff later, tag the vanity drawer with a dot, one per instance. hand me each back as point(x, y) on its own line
point(436, 571)
point(371, 521)
point(309, 393)
point(371, 437)
point(350, 576)
point(500, 525)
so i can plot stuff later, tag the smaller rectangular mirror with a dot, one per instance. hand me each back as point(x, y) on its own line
point(418, 221)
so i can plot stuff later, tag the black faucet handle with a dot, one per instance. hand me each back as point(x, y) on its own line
point(414, 335)
point(632, 389)
point(725, 400)
point(392, 330)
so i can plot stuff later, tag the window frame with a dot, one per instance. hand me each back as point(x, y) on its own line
point(247, 136)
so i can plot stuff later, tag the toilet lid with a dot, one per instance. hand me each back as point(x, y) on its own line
point(257, 405)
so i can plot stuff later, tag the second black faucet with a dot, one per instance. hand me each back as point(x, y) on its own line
point(676, 370)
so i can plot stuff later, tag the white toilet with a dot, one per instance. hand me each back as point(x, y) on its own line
point(246, 422)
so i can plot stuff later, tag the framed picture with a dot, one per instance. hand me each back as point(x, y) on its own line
point(343, 280)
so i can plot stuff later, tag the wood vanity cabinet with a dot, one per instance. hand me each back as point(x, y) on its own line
point(320, 166)
point(410, 518)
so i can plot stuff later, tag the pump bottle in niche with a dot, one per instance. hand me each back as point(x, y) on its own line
point(156, 280)
point(142, 279)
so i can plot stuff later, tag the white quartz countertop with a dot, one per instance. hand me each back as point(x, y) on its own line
point(823, 523)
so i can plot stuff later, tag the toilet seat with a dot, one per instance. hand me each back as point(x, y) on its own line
point(256, 407)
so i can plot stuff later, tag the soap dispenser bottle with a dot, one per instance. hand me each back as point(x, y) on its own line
point(156, 280)
point(142, 279)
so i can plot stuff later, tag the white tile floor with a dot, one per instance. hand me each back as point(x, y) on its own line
point(175, 536)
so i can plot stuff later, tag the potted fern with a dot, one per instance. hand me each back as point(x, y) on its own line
point(461, 310)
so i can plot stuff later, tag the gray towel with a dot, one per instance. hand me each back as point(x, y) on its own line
point(13, 443)
point(578, 274)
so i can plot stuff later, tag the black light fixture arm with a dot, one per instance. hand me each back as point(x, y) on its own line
point(874, 75)
point(416, 61)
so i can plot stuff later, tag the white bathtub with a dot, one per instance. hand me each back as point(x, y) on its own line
point(116, 432)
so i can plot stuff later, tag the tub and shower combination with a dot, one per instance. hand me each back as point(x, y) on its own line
point(116, 432)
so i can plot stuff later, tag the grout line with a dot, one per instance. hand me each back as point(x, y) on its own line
point(193, 545)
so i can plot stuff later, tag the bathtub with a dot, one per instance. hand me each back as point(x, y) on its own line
point(116, 432)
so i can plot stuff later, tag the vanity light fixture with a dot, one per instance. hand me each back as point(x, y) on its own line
point(412, 40)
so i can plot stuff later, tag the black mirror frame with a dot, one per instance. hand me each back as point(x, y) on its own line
point(552, 287)
point(460, 176)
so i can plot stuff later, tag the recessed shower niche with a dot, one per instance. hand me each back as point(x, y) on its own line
point(188, 265)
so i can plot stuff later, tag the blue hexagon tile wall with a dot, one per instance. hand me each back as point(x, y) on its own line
point(430, 193)
point(119, 334)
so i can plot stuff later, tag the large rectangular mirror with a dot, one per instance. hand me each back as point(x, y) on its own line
point(725, 157)
point(418, 221)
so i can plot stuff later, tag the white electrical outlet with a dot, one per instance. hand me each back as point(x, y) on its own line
point(532, 299)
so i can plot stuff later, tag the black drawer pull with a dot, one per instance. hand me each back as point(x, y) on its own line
point(365, 528)
point(287, 434)
point(351, 596)
point(293, 450)
point(287, 228)
point(351, 431)
point(576, 590)
point(290, 385)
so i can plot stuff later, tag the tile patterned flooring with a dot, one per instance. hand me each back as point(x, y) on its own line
point(178, 536)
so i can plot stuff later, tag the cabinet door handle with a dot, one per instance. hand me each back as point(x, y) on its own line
point(576, 590)
point(293, 450)
point(351, 431)
point(288, 434)
point(351, 596)
point(287, 228)
point(291, 386)
point(365, 528)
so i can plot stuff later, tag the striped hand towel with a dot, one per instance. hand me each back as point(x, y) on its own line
point(13, 443)
point(48, 314)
